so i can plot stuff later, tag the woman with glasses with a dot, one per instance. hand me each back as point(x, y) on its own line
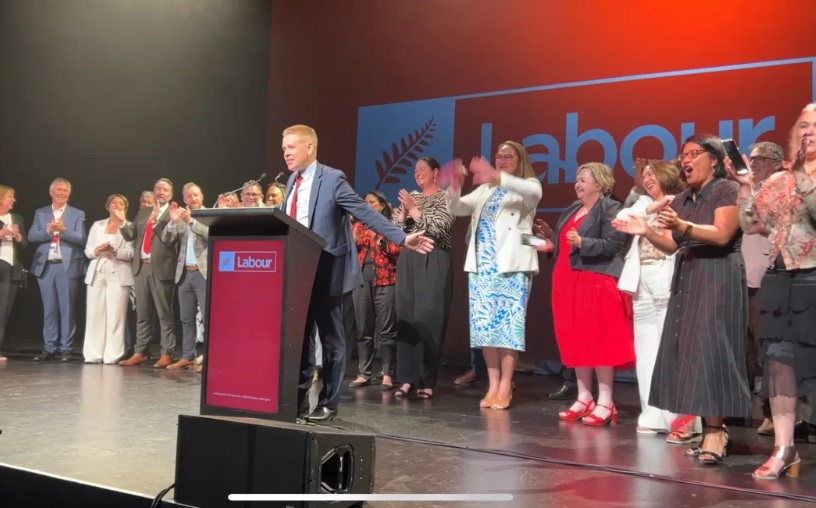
point(785, 209)
point(700, 367)
point(500, 268)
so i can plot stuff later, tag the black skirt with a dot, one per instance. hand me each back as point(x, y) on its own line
point(787, 326)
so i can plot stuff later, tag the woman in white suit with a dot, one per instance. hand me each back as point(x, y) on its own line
point(109, 279)
point(500, 267)
point(647, 276)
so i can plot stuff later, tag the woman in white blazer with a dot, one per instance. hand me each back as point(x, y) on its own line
point(109, 279)
point(500, 267)
point(647, 276)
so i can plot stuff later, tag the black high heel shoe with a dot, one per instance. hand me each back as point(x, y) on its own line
point(404, 393)
point(713, 459)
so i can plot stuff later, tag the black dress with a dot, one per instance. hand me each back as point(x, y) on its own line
point(700, 368)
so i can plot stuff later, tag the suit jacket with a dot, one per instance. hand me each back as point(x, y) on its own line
point(629, 281)
point(163, 254)
point(601, 244)
point(516, 212)
point(122, 261)
point(331, 201)
point(17, 266)
point(71, 241)
point(178, 233)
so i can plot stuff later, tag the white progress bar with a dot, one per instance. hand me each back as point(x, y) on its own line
point(373, 497)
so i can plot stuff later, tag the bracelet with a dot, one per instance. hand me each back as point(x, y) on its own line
point(689, 227)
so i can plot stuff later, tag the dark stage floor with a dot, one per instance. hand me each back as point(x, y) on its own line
point(117, 426)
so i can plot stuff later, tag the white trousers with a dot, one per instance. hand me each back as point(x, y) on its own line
point(649, 307)
point(107, 316)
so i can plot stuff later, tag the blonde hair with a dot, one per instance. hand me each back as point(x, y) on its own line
point(794, 141)
point(601, 173)
point(525, 168)
point(114, 196)
point(5, 191)
point(189, 185)
point(303, 131)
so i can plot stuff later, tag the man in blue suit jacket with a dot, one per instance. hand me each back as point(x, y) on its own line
point(58, 233)
point(320, 198)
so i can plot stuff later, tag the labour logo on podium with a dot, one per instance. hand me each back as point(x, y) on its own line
point(247, 261)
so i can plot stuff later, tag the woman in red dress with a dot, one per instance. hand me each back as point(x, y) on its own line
point(592, 317)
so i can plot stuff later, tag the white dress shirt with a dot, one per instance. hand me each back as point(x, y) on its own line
point(54, 252)
point(7, 242)
point(303, 194)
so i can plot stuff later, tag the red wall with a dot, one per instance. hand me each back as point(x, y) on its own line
point(328, 59)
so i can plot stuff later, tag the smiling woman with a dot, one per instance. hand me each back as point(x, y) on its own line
point(706, 311)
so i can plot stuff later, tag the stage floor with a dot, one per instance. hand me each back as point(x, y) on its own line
point(116, 426)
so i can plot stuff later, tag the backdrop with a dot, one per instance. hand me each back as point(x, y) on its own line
point(113, 95)
point(386, 81)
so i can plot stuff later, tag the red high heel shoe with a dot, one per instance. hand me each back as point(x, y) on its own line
point(570, 416)
point(596, 421)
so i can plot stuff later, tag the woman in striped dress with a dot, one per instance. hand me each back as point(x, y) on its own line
point(700, 368)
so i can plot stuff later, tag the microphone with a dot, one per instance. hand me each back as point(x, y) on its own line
point(277, 177)
point(251, 182)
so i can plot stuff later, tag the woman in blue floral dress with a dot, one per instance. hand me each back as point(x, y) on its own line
point(500, 268)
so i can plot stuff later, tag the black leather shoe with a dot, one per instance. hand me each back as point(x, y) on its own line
point(44, 357)
point(65, 356)
point(805, 432)
point(321, 414)
point(358, 384)
point(566, 392)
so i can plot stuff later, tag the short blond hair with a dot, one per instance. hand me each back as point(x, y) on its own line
point(303, 131)
point(5, 191)
point(601, 173)
point(189, 185)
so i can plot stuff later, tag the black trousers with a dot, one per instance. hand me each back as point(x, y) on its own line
point(326, 313)
point(376, 314)
point(424, 285)
point(8, 292)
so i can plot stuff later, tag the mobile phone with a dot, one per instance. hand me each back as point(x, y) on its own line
point(732, 150)
point(532, 240)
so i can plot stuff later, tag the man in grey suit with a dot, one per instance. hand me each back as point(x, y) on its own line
point(320, 198)
point(59, 234)
point(191, 268)
point(154, 274)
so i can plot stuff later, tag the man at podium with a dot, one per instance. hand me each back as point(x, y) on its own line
point(321, 199)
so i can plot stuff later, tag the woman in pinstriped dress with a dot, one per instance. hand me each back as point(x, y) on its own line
point(700, 367)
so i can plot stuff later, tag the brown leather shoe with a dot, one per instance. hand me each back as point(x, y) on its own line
point(163, 362)
point(181, 364)
point(136, 359)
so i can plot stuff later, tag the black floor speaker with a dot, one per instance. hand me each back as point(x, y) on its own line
point(218, 456)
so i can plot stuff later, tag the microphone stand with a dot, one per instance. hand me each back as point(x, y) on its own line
point(251, 182)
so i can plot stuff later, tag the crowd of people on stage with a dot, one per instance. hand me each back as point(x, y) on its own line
point(703, 281)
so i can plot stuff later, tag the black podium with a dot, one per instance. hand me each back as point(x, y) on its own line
point(262, 266)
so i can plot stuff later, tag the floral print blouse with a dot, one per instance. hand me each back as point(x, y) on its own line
point(383, 253)
point(784, 209)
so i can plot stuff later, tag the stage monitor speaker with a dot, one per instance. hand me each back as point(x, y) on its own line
point(218, 456)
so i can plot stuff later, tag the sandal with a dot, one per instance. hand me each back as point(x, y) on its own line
point(403, 393)
point(683, 437)
point(422, 394)
point(710, 458)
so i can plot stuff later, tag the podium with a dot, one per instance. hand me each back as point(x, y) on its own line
point(262, 266)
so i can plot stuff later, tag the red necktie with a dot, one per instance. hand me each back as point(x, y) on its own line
point(293, 206)
point(147, 237)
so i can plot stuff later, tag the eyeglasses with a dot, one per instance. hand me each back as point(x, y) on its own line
point(691, 154)
point(762, 160)
point(251, 194)
point(505, 157)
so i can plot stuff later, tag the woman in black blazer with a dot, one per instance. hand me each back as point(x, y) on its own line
point(592, 317)
point(12, 242)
